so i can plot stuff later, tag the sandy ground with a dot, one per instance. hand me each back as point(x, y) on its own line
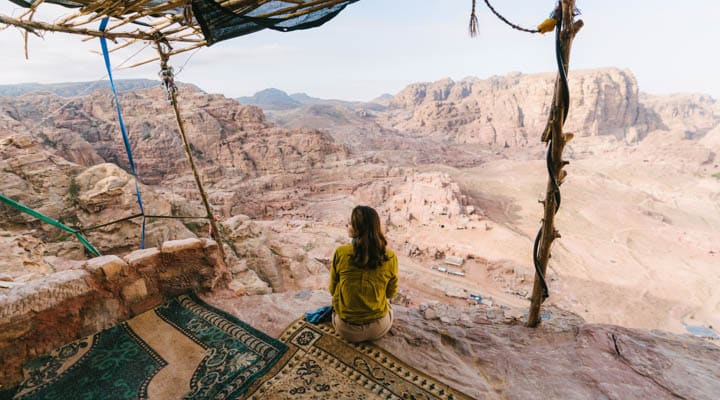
point(422, 283)
point(639, 244)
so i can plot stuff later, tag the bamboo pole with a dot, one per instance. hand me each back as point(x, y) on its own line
point(25, 33)
point(32, 26)
point(186, 145)
point(130, 11)
point(30, 11)
point(300, 10)
point(125, 44)
point(172, 53)
point(146, 13)
point(554, 134)
point(102, 10)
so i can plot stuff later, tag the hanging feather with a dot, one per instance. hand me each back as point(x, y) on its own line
point(473, 21)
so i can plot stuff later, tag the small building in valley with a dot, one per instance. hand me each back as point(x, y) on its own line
point(454, 260)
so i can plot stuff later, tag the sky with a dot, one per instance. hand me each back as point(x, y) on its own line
point(380, 46)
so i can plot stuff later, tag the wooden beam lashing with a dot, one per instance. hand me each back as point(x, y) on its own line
point(557, 140)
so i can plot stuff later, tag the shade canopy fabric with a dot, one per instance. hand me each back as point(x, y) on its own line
point(181, 24)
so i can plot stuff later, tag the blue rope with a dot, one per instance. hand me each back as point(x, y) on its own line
point(106, 55)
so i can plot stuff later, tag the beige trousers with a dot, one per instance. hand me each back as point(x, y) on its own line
point(361, 333)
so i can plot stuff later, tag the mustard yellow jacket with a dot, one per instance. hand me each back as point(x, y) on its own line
point(361, 295)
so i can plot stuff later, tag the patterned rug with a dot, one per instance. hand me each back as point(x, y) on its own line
point(319, 365)
point(182, 349)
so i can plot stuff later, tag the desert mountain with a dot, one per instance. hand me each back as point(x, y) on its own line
point(512, 110)
point(72, 89)
point(227, 139)
point(454, 167)
point(271, 99)
point(275, 99)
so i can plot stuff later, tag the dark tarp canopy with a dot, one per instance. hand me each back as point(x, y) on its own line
point(220, 23)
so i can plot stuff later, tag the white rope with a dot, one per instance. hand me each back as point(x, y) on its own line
point(186, 61)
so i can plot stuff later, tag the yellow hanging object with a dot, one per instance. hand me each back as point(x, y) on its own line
point(547, 26)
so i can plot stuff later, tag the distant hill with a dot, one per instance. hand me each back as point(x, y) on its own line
point(72, 89)
point(308, 100)
point(277, 100)
point(305, 99)
point(348, 120)
point(384, 99)
point(271, 99)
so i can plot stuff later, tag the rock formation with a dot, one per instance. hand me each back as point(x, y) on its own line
point(452, 166)
point(85, 198)
point(511, 110)
point(454, 169)
point(693, 114)
point(38, 316)
point(23, 258)
point(227, 139)
point(73, 89)
point(487, 353)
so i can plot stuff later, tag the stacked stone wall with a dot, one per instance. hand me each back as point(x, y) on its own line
point(67, 305)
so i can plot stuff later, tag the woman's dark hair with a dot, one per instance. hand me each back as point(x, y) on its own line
point(368, 241)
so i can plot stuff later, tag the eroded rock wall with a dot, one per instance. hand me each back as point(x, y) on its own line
point(226, 138)
point(488, 353)
point(512, 110)
point(37, 316)
point(35, 176)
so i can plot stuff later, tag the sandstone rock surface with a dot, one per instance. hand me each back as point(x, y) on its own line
point(511, 110)
point(639, 206)
point(489, 354)
point(78, 197)
point(53, 310)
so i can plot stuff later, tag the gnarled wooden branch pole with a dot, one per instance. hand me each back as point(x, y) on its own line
point(35, 26)
point(554, 135)
point(216, 234)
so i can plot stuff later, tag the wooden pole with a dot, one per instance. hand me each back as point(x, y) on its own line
point(554, 134)
point(186, 145)
point(33, 26)
point(172, 53)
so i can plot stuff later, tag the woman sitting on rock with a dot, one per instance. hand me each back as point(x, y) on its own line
point(364, 276)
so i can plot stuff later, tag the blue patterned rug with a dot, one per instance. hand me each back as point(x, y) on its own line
point(182, 349)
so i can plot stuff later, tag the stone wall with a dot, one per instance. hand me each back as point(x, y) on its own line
point(67, 305)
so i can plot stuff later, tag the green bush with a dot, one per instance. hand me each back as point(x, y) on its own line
point(74, 191)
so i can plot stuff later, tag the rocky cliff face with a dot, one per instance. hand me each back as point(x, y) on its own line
point(693, 114)
point(71, 89)
point(512, 110)
point(33, 176)
point(483, 350)
point(476, 115)
point(283, 195)
point(79, 197)
point(64, 157)
point(227, 139)
point(488, 354)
